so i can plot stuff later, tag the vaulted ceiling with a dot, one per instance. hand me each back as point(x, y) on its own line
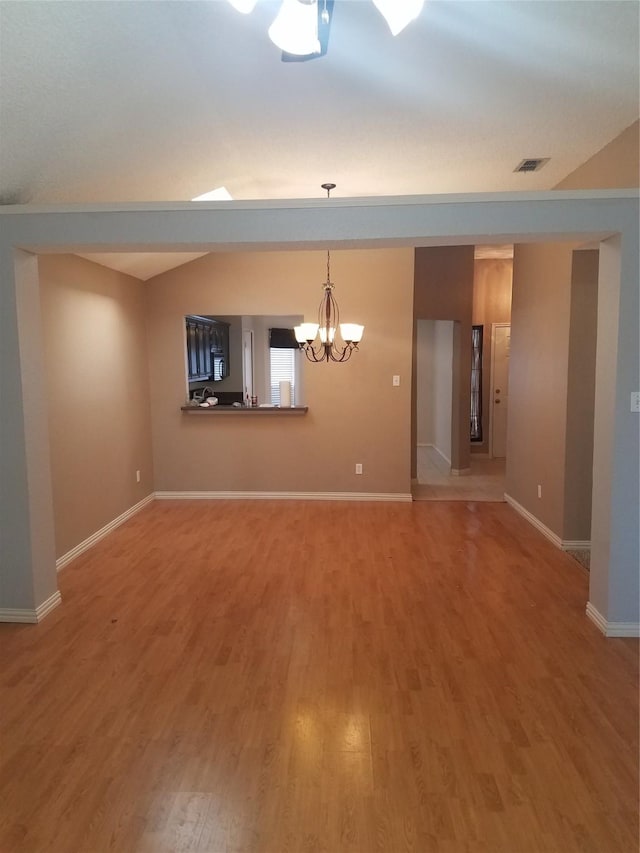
point(145, 101)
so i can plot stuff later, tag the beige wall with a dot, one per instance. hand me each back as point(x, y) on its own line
point(581, 396)
point(96, 382)
point(443, 290)
point(492, 279)
point(552, 371)
point(355, 415)
point(538, 379)
point(617, 165)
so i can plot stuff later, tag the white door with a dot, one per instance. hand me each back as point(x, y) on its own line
point(501, 342)
point(247, 363)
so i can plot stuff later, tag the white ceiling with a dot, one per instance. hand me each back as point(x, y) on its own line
point(162, 101)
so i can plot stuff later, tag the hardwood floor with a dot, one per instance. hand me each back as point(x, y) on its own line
point(283, 676)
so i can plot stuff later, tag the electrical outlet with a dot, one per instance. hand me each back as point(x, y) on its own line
point(635, 401)
point(396, 381)
point(358, 467)
point(539, 490)
point(137, 476)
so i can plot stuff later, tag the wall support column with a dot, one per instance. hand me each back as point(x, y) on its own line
point(28, 583)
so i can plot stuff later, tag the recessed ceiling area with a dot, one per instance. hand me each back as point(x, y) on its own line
point(142, 265)
point(146, 265)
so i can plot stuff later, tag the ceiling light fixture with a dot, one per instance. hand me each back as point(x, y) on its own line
point(327, 348)
point(295, 29)
point(296, 26)
point(398, 13)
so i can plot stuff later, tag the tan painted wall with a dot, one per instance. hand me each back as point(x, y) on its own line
point(617, 165)
point(581, 396)
point(96, 382)
point(538, 379)
point(443, 290)
point(492, 280)
point(355, 415)
point(554, 318)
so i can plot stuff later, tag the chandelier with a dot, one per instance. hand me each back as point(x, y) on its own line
point(327, 347)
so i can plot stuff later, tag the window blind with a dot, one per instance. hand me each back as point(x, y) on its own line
point(282, 368)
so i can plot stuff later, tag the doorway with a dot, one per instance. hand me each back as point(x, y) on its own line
point(499, 407)
point(435, 479)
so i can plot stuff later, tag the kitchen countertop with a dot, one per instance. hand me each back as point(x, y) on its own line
point(245, 410)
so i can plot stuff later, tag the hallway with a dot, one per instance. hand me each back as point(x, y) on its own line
point(486, 482)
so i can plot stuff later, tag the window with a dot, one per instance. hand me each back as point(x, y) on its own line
point(282, 368)
point(476, 383)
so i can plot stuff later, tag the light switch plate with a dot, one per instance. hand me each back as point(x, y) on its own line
point(396, 380)
point(635, 401)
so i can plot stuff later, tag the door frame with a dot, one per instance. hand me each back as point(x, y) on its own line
point(247, 343)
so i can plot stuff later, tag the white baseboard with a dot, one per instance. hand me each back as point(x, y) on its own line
point(437, 450)
point(9, 614)
point(609, 629)
point(563, 544)
point(61, 562)
point(440, 453)
point(612, 629)
point(295, 496)
point(550, 535)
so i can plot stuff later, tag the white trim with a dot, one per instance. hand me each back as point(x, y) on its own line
point(47, 606)
point(597, 618)
point(296, 496)
point(460, 472)
point(61, 562)
point(31, 617)
point(612, 629)
point(437, 450)
point(563, 544)
point(303, 203)
point(551, 536)
point(576, 544)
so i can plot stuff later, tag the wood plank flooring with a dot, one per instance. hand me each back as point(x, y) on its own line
point(274, 677)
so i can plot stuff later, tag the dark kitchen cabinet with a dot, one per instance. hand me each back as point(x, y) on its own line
point(207, 348)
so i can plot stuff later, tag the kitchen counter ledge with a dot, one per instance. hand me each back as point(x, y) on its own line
point(245, 410)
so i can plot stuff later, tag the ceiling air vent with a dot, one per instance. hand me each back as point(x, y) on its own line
point(531, 164)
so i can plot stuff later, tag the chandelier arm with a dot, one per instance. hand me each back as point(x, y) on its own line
point(344, 354)
point(312, 354)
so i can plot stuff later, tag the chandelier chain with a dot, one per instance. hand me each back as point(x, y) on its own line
point(328, 325)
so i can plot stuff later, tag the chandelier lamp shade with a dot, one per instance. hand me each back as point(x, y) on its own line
point(319, 341)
